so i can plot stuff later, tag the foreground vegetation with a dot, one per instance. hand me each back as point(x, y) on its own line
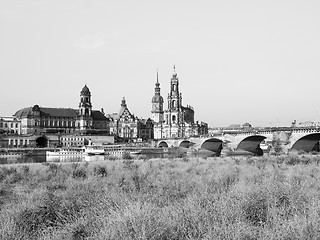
point(215, 198)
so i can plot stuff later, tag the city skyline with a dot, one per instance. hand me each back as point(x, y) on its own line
point(253, 62)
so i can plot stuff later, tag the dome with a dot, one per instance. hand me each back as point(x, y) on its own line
point(174, 75)
point(157, 99)
point(85, 90)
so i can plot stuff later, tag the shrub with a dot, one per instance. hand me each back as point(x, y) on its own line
point(129, 164)
point(292, 160)
point(126, 156)
point(143, 157)
point(249, 160)
point(79, 173)
point(185, 158)
point(180, 155)
point(100, 171)
point(112, 158)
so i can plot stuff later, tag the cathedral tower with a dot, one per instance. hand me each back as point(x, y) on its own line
point(157, 104)
point(174, 115)
point(85, 109)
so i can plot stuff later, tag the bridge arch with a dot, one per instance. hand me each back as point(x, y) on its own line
point(252, 144)
point(307, 143)
point(163, 144)
point(42, 142)
point(213, 145)
point(185, 144)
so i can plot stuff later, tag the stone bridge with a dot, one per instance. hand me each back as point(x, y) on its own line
point(202, 145)
point(306, 139)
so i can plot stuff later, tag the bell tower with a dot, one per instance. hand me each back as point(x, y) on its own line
point(85, 109)
point(157, 104)
point(174, 117)
point(174, 98)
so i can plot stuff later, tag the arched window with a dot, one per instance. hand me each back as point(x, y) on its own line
point(174, 119)
point(173, 103)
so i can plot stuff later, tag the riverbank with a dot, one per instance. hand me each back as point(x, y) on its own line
point(178, 198)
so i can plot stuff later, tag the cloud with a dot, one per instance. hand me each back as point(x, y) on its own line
point(90, 42)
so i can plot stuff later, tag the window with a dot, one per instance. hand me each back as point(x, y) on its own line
point(174, 119)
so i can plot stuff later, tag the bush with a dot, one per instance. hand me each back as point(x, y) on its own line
point(126, 156)
point(249, 160)
point(292, 160)
point(112, 158)
point(79, 173)
point(185, 158)
point(100, 171)
point(143, 157)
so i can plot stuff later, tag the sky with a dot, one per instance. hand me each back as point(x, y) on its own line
point(237, 61)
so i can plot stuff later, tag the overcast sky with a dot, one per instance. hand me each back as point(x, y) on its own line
point(237, 61)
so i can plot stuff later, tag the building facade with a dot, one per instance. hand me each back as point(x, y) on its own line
point(126, 127)
point(176, 121)
point(43, 120)
point(10, 125)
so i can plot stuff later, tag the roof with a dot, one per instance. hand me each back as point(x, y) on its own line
point(85, 90)
point(58, 112)
point(235, 126)
point(99, 116)
point(55, 112)
point(23, 112)
point(157, 99)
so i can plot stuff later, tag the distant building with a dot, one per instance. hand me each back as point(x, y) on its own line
point(176, 121)
point(126, 127)
point(9, 125)
point(84, 120)
point(306, 124)
point(246, 126)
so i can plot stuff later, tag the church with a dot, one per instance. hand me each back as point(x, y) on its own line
point(177, 121)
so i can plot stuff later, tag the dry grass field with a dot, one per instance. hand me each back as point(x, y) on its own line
point(184, 198)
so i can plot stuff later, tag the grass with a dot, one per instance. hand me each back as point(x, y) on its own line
point(276, 197)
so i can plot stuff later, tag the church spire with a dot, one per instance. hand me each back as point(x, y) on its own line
point(123, 102)
point(157, 77)
point(174, 75)
point(157, 88)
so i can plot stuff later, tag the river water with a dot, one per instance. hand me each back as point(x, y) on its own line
point(44, 158)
